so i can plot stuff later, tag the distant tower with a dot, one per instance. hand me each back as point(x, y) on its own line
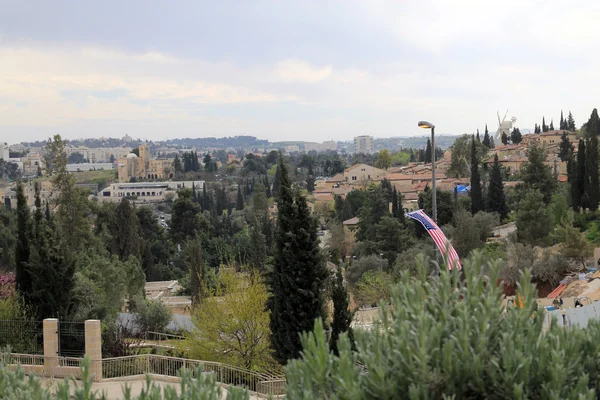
point(144, 160)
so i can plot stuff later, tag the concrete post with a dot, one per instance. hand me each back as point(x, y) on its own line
point(50, 329)
point(93, 347)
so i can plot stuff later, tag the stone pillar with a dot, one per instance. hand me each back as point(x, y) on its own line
point(93, 347)
point(50, 346)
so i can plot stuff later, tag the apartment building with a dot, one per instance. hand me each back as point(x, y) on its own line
point(363, 144)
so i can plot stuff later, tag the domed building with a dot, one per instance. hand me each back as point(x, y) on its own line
point(142, 167)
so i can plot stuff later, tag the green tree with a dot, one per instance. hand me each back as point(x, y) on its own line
point(76, 158)
point(342, 316)
point(592, 184)
point(571, 123)
point(156, 248)
point(428, 152)
point(125, 232)
point(397, 209)
point(563, 122)
point(476, 193)
point(277, 181)
point(239, 205)
point(545, 128)
point(373, 287)
point(486, 138)
point(185, 220)
point(460, 151)
point(298, 276)
point(534, 221)
point(573, 243)
point(565, 148)
point(310, 179)
point(496, 200)
point(194, 260)
point(504, 138)
point(515, 136)
point(258, 250)
point(233, 327)
point(151, 316)
point(384, 159)
point(23, 249)
point(445, 206)
point(580, 200)
point(536, 174)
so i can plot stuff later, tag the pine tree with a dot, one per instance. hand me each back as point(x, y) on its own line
point(496, 201)
point(476, 195)
point(504, 138)
point(342, 316)
point(580, 199)
point(239, 205)
point(551, 127)
point(591, 158)
point(427, 157)
point(536, 174)
point(565, 148)
point(571, 123)
point(23, 248)
point(298, 275)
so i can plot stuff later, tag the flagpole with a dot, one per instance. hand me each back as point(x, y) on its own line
point(434, 195)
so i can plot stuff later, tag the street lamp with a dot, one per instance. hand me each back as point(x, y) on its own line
point(429, 125)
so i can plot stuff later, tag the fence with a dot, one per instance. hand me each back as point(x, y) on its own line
point(71, 339)
point(22, 336)
point(262, 384)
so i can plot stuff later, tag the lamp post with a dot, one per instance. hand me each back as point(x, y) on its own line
point(429, 125)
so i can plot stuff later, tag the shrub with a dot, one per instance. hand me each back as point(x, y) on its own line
point(151, 316)
point(451, 338)
point(358, 267)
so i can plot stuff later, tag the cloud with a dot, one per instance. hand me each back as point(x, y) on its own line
point(300, 71)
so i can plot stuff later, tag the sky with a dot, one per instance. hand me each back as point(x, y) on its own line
point(291, 70)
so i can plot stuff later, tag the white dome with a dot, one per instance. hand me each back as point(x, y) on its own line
point(131, 155)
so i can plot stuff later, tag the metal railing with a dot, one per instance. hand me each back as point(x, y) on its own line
point(22, 359)
point(260, 383)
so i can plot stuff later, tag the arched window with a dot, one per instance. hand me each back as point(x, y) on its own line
point(153, 193)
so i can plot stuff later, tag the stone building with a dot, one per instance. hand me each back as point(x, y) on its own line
point(143, 167)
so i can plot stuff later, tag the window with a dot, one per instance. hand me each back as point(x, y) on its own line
point(369, 176)
point(354, 178)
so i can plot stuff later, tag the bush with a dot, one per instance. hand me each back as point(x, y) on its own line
point(153, 316)
point(374, 286)
point(451, 338)
point(358, 267)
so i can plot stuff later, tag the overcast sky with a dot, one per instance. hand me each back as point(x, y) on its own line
point(291, 70)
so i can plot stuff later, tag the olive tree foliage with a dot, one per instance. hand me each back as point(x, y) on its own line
point(452, 338)
point(358, 267)
point(151, 316)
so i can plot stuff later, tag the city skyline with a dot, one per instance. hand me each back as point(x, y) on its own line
point(305, 71)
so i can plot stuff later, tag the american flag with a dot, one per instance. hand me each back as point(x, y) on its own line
point(438, 237)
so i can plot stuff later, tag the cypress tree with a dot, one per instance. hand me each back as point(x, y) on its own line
point(23, 249)
point(504, 138)
point(580, 199)
point(496, 201)
point(125, 232)
point(515, 136)
point(492, 144)
point(572, 179)
point(571, 123)
point(478, 139)
point(486, 138)
point(591, 159)
point(394, 201)
point(563, 123)
point(276, 182)
point(476, 195)
point(205, 199)
point(298, 275)
point(544, 126)
point(194, 195)
point(342, 316)
point(565, 148)
point(551, 127)
point(39, 214)
point(310, 180)
point(268, 187)
point(239, 205)
point(427, 157)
